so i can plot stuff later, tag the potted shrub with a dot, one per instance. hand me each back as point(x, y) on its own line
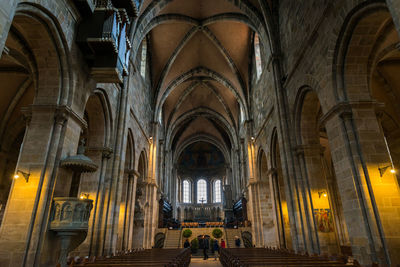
point(217, 233)
point(194, 245)
point(187, 233)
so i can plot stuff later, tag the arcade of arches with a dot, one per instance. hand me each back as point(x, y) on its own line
point(122, 119)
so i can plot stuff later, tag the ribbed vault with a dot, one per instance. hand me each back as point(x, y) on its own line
point(200, 51)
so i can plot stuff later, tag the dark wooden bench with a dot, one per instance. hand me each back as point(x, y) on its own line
point(149, 257)
point(260, 257)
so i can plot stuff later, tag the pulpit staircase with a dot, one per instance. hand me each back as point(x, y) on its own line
point(173, 239)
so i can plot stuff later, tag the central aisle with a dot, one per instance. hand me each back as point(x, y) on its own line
point(199, 262)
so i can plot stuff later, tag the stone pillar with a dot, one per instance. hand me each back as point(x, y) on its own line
point(96, 229)
point(28, 207)
point(358, 151)
point(134, 176)
point(289, 164)
point(268, 212)
point(310, 171)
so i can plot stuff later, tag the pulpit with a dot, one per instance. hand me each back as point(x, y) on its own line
point(70, 220)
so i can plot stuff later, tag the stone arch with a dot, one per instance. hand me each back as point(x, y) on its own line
point(208, 113)
point(206, 138)
point(127, 201)
point(50, 45)
point(191, 75)
point(349, 66)
point(36, 72)
point(321, 185)
point(264, 28)
point(281, 199)
point(142, 165)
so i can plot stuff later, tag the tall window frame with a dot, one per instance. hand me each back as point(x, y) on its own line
point(217, 192)
point(186, 192)
point(257, 55)
point(201, 186)
point(143, 59)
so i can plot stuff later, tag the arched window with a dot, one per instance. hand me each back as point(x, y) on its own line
point(217, 191)
point(143, 59)
point(186, 191)
point(201, 191)
point(257, 55)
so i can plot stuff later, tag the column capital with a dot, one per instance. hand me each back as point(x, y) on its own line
point(345, 109)
point(300, 149)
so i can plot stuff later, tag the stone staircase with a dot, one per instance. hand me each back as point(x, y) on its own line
point(172, 239)
point(230, 237)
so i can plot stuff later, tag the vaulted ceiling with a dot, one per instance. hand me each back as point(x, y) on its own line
point(200, 57)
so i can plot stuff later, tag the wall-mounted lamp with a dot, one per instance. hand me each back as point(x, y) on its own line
point(253, 139)
point(151, 139)
point(24, 174)
point(322, 193)
point(84, 196)
point(383, 170)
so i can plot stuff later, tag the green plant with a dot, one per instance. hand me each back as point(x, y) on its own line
point(187, 233)
point(217, 233)
point(194, 245)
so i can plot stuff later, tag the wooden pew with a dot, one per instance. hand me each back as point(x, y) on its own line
point(148, 257)
point(260, 257)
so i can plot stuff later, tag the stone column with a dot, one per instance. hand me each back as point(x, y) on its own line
point(358, 151)
point(310, 169)
point(22, 235)
point(96, 229)
point(134, 176)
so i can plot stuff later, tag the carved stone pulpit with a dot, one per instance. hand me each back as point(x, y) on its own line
point(70, 220)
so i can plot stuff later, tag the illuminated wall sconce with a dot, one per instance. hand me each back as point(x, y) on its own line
point(24, 174)
point(322, 193)
point(383, 170)
point(151, 139)
point(84, 196)
point(253, 139)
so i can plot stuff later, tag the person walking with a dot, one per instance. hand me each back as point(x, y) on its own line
point(216, 249)
point(206, 246)
point(186, 244)
point(237, 241)
point(223, 245)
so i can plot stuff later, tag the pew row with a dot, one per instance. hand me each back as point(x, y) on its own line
point(263, 257)
point(149, 257)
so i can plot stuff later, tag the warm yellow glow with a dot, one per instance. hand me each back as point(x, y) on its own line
point(16, 176)
point(325, 195)
point(393, 171)
point(84, 196)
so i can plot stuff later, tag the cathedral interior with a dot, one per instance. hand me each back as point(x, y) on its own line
point(125, 122)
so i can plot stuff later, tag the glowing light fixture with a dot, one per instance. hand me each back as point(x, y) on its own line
point(383, 170)
point(84, 196)
point(322, 193)
point(24, 174)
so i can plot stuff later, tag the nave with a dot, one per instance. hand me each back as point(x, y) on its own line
point(139, 126)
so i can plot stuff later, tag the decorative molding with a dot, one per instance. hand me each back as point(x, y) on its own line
point(347, 107)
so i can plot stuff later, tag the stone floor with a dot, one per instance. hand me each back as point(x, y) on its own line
point(199, 262)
